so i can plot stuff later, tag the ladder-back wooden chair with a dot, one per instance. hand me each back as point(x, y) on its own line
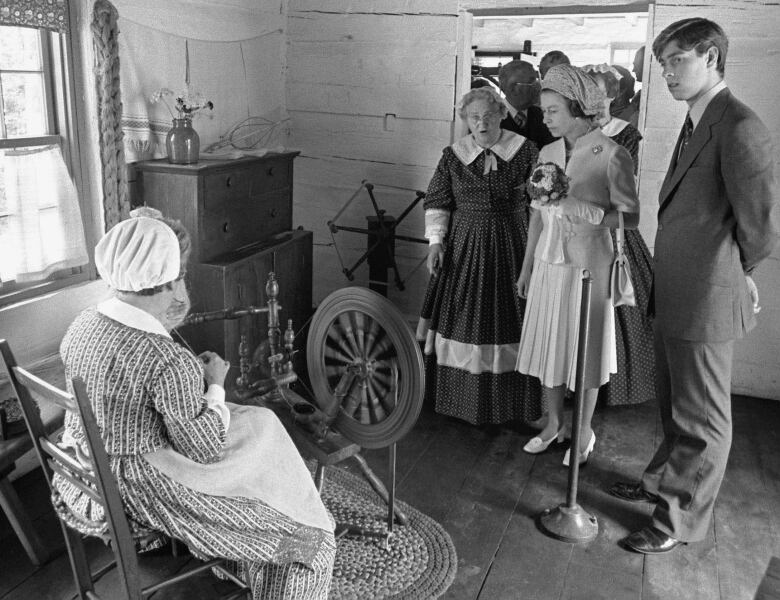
point(93, 476)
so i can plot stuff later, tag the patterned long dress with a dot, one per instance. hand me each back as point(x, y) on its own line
point(634, 381)
point(472, 317)
point(147, 395)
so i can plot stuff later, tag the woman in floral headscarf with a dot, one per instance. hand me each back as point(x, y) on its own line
point(565, 238)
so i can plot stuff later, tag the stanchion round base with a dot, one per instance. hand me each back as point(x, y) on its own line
point(572, 525)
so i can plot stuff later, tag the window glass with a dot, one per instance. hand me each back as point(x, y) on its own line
point(24, 108)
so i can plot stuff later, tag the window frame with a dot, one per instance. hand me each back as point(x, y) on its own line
point(62, 108)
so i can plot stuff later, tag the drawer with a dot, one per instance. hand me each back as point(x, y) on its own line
point(223, 187)
point(244, 221)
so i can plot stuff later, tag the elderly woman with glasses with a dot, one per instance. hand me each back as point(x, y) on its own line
point(476, 220)
point(224, 479)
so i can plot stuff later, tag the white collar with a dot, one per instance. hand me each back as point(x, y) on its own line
point(614, 127)
point(467, 150)
point(697, 110)
point(129, 315)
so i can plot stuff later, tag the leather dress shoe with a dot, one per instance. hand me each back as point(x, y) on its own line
point(650, 540)
point(632, 492)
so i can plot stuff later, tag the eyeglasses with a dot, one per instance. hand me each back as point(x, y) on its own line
point(518, 85)
point(491, 116)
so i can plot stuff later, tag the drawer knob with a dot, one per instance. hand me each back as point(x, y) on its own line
point(274, 212)
point(225, 227)
point(229, 181)
point(270, 171)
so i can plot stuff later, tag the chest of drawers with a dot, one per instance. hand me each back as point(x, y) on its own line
point(224, 204)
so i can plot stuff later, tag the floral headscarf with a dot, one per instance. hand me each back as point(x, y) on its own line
point(575, 84)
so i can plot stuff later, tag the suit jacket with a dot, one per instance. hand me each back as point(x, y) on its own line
point(717, 220)
point(534, 128)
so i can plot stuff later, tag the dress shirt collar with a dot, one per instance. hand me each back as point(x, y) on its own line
point(513, 111)
point(129, 315)
point(467, 150)
point(697, 110)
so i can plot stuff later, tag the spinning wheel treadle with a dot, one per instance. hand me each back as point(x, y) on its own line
point(366, 367)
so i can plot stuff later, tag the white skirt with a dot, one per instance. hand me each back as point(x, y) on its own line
point(549, 341)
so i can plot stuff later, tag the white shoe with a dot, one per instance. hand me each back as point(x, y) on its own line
point(584, 454)
point(537, 445)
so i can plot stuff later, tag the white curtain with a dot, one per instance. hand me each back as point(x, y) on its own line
point(40, 221)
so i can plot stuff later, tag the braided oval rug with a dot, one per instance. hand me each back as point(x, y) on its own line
point(419, 563)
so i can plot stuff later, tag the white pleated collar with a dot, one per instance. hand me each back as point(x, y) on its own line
point(614, 127)
point(467, 150)
point(129, 315)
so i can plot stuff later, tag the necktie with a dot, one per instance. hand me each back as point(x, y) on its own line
point(686, 136)
point(520, 119)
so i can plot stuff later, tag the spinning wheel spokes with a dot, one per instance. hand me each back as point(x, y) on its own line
point(359, 340)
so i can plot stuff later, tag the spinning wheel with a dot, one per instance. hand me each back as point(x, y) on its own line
point(366, 367)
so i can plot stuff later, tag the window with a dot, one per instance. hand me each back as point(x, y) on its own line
point(41, 231)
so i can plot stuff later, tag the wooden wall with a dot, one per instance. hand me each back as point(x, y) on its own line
point(349, 65)
point(370, 94)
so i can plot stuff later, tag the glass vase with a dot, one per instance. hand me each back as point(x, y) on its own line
point(182, 143)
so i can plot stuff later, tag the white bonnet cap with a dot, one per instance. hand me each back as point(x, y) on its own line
point(139, 253)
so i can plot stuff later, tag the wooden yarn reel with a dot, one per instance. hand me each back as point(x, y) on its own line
point(365, 366)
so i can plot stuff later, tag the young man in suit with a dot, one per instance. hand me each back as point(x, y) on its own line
point(520, 85)
point(716, 222)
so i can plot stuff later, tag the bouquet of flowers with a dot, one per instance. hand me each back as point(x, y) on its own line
point(548, 183)
point(187, 104)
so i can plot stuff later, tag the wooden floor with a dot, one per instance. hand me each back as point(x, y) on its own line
point(485, 491)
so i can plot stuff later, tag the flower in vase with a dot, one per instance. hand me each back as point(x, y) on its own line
point(187, 104)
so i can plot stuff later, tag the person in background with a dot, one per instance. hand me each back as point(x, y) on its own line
point(552, 58)
point(565, 238)
point(224, 479)
point(478, 82)
point(476, 220)
point(634, 381)
point(520, 86)
point(638, 66)
point(717, 221)
point(621, 105)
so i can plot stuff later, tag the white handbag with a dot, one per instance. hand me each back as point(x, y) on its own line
point(621, 288)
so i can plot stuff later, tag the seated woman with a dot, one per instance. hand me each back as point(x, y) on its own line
point(224, 479)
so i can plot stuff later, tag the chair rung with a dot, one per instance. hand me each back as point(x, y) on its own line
point(60, 470)
point(182, 576)
point(232, 577)
point(68, 461)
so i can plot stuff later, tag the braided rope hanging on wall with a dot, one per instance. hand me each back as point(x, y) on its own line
point(116, 202)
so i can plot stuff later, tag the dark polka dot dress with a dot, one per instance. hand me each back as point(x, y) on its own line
point(472, 317)
point(634, 381)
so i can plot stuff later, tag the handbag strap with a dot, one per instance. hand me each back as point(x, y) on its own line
point(620, 234)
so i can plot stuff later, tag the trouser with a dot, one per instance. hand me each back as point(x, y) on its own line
point(693, 388)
